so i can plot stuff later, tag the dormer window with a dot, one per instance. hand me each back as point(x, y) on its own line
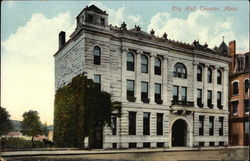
point(102, 21)
point(90, 18)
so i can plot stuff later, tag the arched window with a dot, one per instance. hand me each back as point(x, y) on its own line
point(97, 55)
point(157, 66)
point(199, 73)
point(144, 64)
point(130, 61)
point(209, 75)
point(180, 71)
point(235, 88)
point(219, 76)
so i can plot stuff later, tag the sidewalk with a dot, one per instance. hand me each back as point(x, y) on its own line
point(51, 152)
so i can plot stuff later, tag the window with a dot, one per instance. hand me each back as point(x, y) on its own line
point(97, 55)
point(235, 88)
point(199, 73)
point(184, 93)
point(211, 143)
point(221, 126)
point(201, 143)
point(132, 123)
point(131, 145)
point(247, 85)
point(159, 145)
point(144, 92)
point(130, 90)
point(209, 75)
point(211, 125)
point(209, 99)
point(199, 97)
point(130, 62)
point(97, 80)
point(180, 71)
point(240, 63)
point(219, 77)
point(146, 123)
point(157, 66)
point(114, 125)
point(219, 100)
point(158, 93)
point(146, 145)
point(235, 107)
point(247, 105)
point(159, 124)
point(201, 125)
point(90, 18)
point(175, 93)
point(114, 145)
point(144, 64)
point(102, 21)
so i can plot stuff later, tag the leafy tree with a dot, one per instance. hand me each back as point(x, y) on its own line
point(31, 124)
point(81, 110)
point(5, 123)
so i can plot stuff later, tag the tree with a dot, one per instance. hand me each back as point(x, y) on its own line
point(45, 129)
point(81, 110)
point(31, 124)
point(5, 123)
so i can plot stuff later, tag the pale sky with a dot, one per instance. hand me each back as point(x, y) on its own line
point(29, 38)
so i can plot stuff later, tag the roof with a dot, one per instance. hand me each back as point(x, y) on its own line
point(223, 48)
point(93, 8)
point(242, 63)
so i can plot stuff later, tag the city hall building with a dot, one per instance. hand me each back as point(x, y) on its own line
point(172, 93)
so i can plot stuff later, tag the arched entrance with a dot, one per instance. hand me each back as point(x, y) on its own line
point(179, 133)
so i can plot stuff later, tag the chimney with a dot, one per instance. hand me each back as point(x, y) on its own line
point(61, 39)
point(232, 53)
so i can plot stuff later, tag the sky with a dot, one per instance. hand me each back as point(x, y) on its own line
point(29, 38)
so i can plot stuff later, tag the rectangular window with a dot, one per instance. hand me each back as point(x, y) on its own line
point(146, 145)
point(97, 80)
point(175, 93)
point(209, 99)
point(102, 21)
point(219, 100)
point(235, 107)
point(247, 105)
point(159, 124)
point(158, 93)
point(199, 74)
point(211, 125)
point(114, 125)
point(159, 145)
point(221, 126)
point(199, 97)
point(131, 145)
point(221, 143)
point(90, 18)
point(201, 143)
point(144, 92)
point(184, 93)
point(132, 123)
point(130, 90)
point(146, 123)
point(211, 143)
point(247, 85)
point(114, 145)
point(201, 125)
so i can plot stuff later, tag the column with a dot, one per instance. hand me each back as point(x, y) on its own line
point(151, 78)
point(138, 77)
point(225, 87)
point(214, 96)
point(123, 76)
point(164, 81)
point(205, 86)
point(195, 64)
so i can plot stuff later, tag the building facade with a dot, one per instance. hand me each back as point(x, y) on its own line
point(239, 97)
point(172, 93)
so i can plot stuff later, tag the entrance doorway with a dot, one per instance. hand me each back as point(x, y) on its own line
point(179, 133)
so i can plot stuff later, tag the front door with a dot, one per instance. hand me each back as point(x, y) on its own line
point(179, 133)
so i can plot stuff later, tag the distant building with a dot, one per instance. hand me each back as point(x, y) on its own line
point(50, 136)
point(172, 93)
point(239, 97)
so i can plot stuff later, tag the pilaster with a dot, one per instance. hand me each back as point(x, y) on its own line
point(205, 86)
point(164, 81)
point(195, 65)
point(138, 77)
point(123, 74)
point(214, 95)
point(151, 78)
point(225, 87)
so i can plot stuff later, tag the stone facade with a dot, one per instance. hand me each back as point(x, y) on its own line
point(76, 56)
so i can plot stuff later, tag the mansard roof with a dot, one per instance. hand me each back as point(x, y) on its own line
point(242, 63)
